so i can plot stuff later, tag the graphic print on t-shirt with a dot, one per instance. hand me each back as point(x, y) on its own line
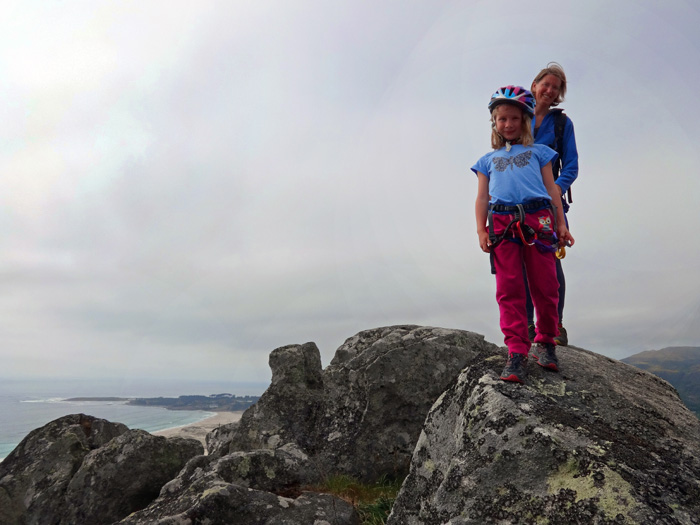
point(521, 160)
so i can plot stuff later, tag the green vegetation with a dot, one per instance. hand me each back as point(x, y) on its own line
point(372, 501)
point(216, 402)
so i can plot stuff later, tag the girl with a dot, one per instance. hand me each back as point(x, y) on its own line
point(518, 220)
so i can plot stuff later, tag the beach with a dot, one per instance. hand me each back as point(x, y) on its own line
point(200, 429)
point(29, 404)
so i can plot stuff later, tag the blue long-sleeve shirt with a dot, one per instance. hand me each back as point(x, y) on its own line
point(569, 156)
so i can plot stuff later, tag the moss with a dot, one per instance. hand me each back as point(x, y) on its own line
point(244, 466)
point(596, 450)
point(214, 491)
point(554, 389)
point(613, 496)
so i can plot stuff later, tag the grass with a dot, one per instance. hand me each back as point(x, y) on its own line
point(373, 501)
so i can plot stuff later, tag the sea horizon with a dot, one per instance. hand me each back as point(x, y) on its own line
point(27, 404)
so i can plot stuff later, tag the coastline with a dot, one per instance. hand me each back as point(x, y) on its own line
point(200, 429)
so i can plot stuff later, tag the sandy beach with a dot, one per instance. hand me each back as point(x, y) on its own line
point(200, 429)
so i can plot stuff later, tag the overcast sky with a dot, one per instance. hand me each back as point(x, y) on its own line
point(187, 186)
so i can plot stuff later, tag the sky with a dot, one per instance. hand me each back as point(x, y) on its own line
point(187, 186)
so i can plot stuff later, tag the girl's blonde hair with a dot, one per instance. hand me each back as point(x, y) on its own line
point(556, 70)
point(526, 138)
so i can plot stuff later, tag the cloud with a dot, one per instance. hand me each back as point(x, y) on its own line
point(190, 185)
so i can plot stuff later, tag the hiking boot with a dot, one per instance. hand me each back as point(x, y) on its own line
point(515, 368)
point(562, 339)
point(546, 356)
point(531, 332)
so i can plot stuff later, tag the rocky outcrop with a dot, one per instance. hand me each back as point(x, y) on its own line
point(80, 469)
point(130, 470)
point(600, 443)
point(34, 477)
point(234, 504)
point(287, 410)
point(260, 486)
point(363, 414)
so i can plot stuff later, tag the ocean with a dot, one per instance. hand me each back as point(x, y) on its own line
point(27, 404)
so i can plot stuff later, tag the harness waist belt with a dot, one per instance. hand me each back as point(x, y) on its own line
point(530, 206)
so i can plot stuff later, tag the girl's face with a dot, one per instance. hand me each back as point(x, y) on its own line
point(546, 91)
point(509, 121)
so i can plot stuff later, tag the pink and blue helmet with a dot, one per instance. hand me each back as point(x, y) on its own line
point(516, 96)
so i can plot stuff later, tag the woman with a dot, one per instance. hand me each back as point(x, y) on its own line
point(553, 128)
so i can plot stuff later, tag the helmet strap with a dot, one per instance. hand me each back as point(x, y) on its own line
point(509, 143)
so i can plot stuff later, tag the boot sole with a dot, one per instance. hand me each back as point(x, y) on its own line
point(513, 379)
point(550, 366)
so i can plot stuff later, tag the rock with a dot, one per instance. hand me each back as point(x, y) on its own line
point(276, 471)
point(362, 415)
point(80, 469)
point(125, 475)
point(219, 489)
point(600, 443)
point(35, 475)
point(236, 505)
point(287, 410)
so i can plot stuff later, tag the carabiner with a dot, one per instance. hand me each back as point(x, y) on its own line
point(561, 250)
point(522, 237)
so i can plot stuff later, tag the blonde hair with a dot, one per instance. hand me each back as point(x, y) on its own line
point(526, 138)
point(556, 70)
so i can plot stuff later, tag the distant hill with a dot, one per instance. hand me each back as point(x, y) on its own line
point(216, 402)
point(679, 365)
point(221, 402)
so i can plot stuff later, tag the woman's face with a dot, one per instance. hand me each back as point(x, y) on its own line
point(546, 91)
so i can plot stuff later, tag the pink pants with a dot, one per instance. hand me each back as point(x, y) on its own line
point(540, 267)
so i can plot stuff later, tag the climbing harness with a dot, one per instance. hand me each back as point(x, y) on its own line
point(518, 231)
point(517, 228)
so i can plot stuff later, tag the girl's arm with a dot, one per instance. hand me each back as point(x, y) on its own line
point(482, 210)
point(555, 194)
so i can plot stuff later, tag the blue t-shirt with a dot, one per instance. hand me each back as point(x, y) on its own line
point(515, 176)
